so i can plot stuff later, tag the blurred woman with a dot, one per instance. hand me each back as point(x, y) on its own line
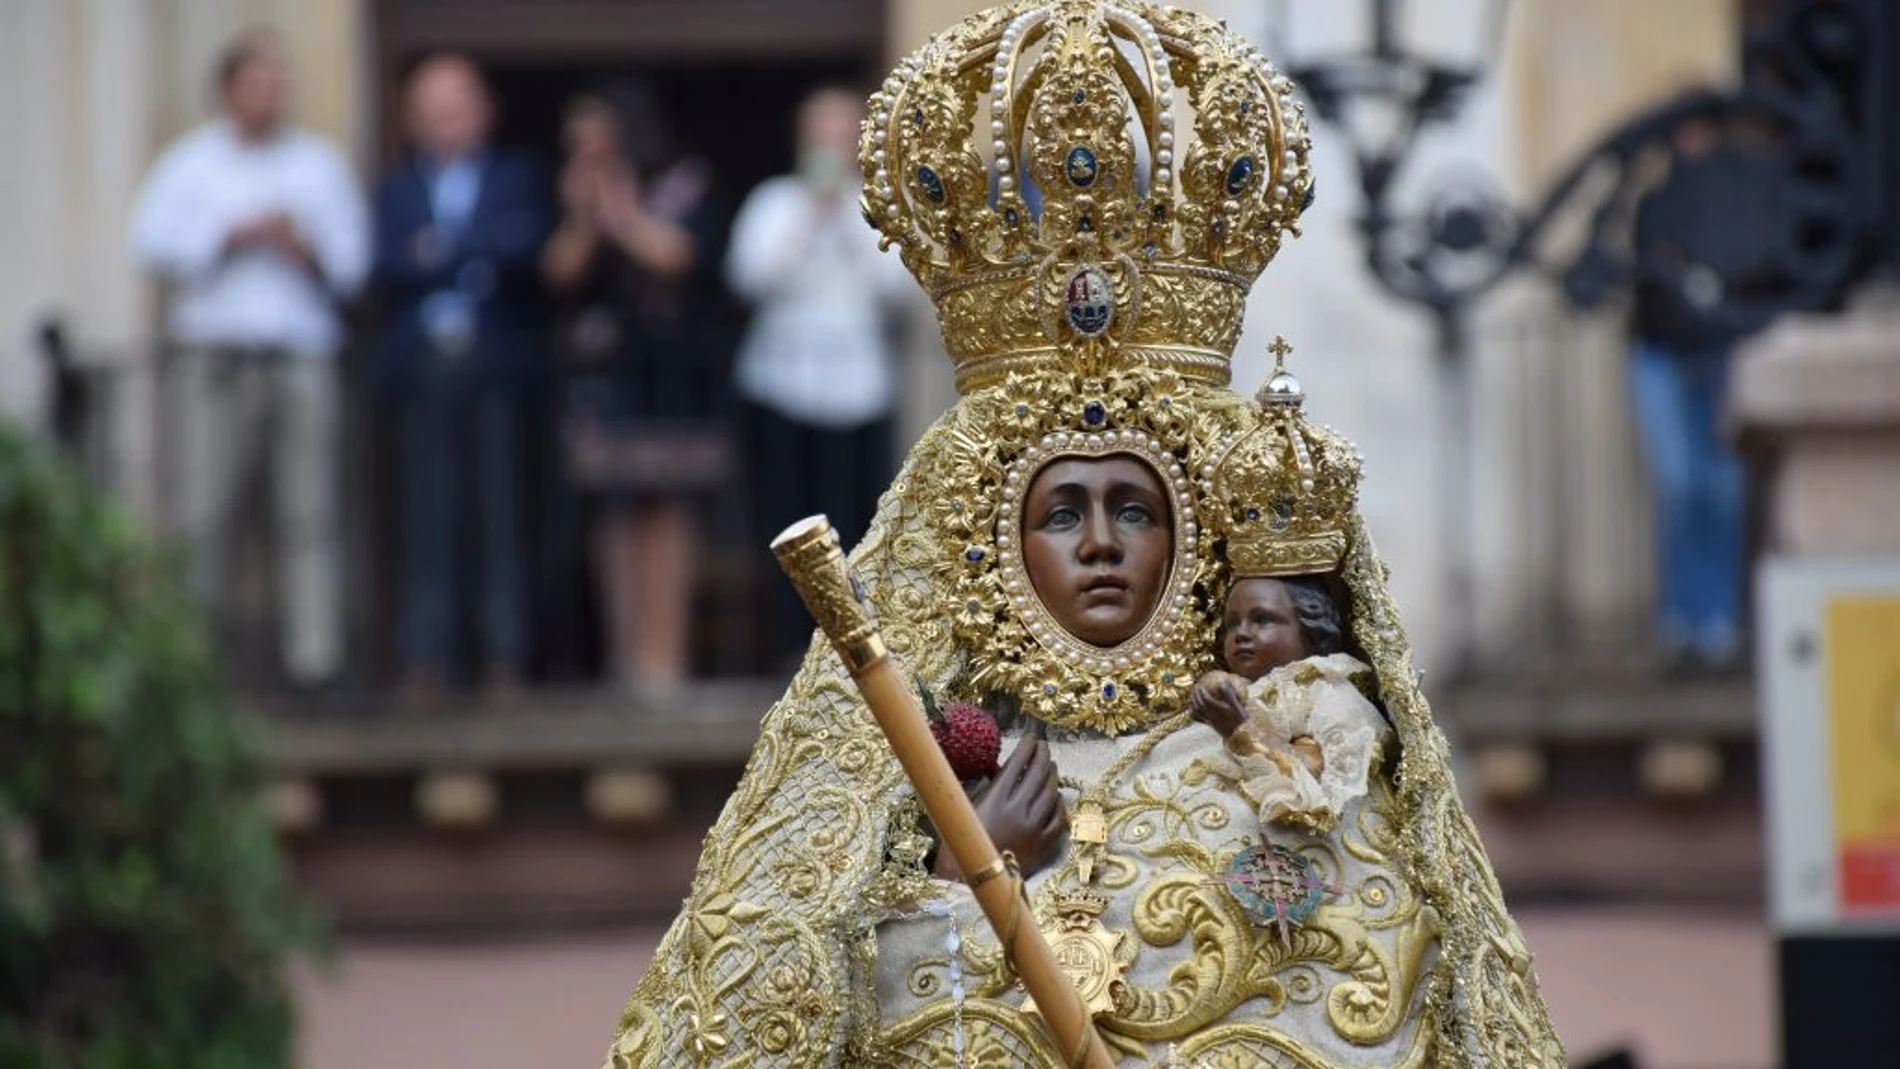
point(631, 260)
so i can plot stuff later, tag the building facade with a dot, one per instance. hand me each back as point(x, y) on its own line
point(1559, 519)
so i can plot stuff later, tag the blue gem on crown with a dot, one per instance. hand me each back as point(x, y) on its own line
point(1240, 176)
point(932, 186)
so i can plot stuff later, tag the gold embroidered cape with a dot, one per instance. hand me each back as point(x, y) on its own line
point(772, 960)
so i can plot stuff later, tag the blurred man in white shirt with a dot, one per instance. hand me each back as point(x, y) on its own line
point(260, 230)
point(817, 366)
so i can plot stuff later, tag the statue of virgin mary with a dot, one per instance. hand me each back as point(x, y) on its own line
point(1088, 190)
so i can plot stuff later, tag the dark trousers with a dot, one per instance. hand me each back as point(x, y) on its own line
point(459, 435)
point(799, 470)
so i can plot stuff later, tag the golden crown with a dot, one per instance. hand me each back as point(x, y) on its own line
point(1283, 493)
point(1141, 165)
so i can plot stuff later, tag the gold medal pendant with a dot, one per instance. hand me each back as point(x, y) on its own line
point(1086, 951)
point(1088, 831)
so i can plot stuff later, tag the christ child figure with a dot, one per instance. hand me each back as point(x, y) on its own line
point(1299, 731)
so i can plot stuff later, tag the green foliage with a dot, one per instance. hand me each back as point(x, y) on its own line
point(145, 915)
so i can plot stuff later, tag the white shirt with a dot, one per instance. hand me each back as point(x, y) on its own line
point(816, 352)
point(211, 181)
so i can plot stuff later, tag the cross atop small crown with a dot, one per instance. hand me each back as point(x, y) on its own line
point(1280, 349)
point(1281, 387)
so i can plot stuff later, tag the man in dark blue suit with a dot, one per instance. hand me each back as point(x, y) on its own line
point(459, 231)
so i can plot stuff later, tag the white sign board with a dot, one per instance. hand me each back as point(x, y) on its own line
point(1828, 662)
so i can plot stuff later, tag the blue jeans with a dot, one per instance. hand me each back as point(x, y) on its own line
point(460, 439)
point(1698, 485)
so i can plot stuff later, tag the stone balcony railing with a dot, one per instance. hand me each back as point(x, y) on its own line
point(575, 807)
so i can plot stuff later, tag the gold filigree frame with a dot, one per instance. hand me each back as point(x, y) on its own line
point(1177, 594)
point(1001, 437)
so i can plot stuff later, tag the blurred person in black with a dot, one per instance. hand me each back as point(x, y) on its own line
point(816, 369)
point(1701, 237)
point(459, 229)
point(634, 262)
point(262, 229)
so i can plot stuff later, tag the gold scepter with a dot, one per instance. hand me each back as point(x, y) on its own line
point(811, 555)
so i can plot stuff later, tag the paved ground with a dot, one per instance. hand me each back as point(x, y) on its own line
point(1682, 988)
point(1686, 989)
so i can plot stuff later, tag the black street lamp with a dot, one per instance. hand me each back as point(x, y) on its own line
point(1383, 97)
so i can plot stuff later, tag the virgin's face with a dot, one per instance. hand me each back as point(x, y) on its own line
point(1097, 541)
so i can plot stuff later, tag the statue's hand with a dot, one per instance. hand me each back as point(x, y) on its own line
point(1219, 701)
point(1021, 808)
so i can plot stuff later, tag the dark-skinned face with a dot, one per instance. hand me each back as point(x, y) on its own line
point(1260, 631)
point(1097, 542)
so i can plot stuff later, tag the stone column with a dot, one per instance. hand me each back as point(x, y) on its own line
point(1818, 398)
point(33, 44)
point(75, 135)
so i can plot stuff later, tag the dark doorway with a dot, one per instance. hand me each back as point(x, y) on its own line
point(734, 111)
point(737, 116)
